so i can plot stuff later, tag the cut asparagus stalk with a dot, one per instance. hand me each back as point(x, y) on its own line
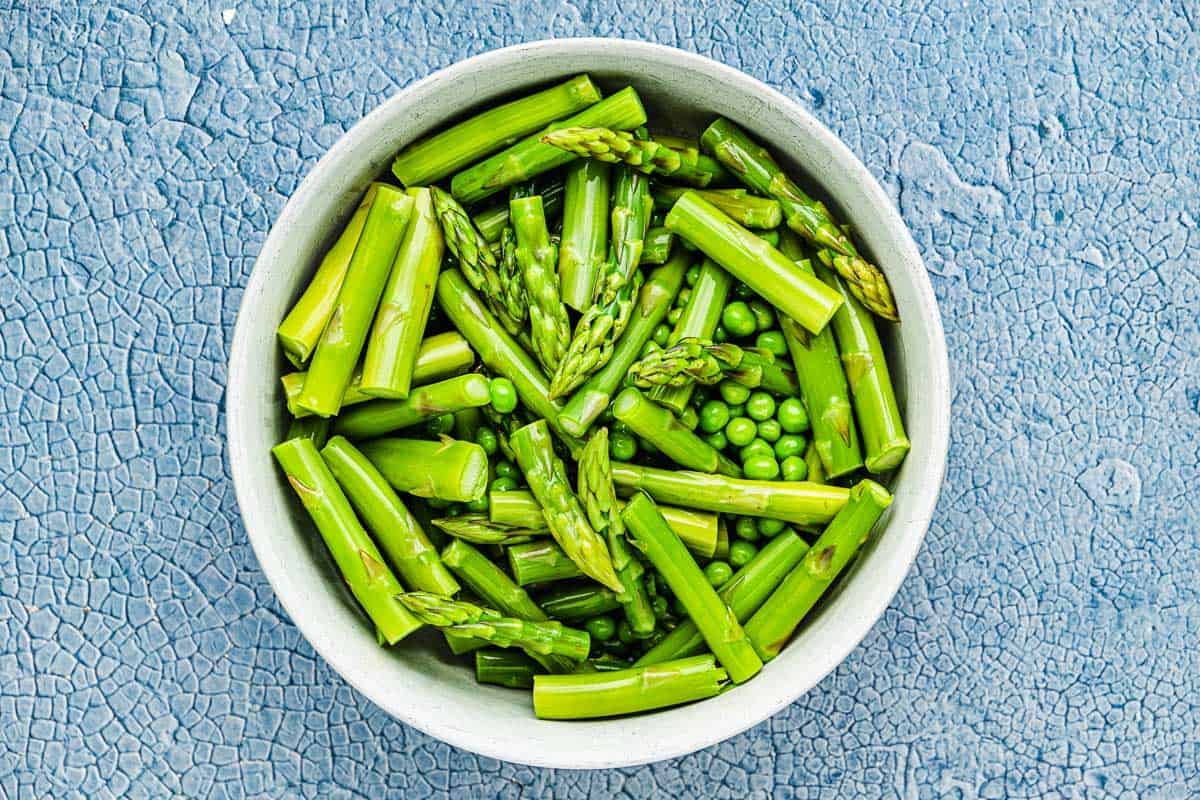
point(659, 426)
point(584, 231)
point(626, 691)
point(368, 420)
point(447, 469)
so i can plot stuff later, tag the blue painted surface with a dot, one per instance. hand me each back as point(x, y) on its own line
point(1045, 644)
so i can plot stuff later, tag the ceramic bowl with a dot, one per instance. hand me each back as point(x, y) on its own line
point(416, 681)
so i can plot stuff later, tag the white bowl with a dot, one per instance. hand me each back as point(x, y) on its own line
point(416, 681)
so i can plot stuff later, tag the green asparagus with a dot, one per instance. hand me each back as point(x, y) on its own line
point(368, 420)
point(584, 231)
point(657, 246)
point(492, 220)
point(315, 429)
point(773, 623)
point(654, 301)
point(531, 157)
point(478, 529)
point(397, 531)
point(537, 259)
point(660, 427)
point(720, 628)
point(626, 691)
point(548, 638)
point(700, 318)
point(447, 469)
point(568, 524)
point(541, 561)
point(442, 154)
point(509, 668)
point(741, 206)
point(301, 329)
point(345, 336)
point(578, 602)
point(599, 500)
point(605, 319)
point(811, 219)
point(358, 559)
point(743, 593)
point(643, 154)
point(752, 260)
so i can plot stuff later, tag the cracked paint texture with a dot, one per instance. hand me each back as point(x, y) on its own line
point(1045, 644)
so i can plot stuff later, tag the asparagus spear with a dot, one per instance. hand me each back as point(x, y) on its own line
point(653, 303)
point(797, 502)
point(478, 529)
point(368, 420)
point(697, 529)
point(599, 500)
point(448, 469)
point(716, 622)
point(434, 157)
point(360, 562)
point(811, 219)
point(744, 208)
point(696, 360)
point(405, 305)
point(301, 329)
point(605, 319)
point(548, 638)
point(537, 258)
point(512, 282)
point(531, 157)
point(752, 260)
point(540, 561)
point(626, 691)
point(492, 220)
point(509, 668)
point(643, 154)
point(816, 467)
point(474, 255)
point(547, 479)
point(823, 387)
point(343, 339)
point(443, 355)
point(657, 246)
point(398, 533)
point(659, 426)
point(579, 602)
point(878, 413)
point(584, 230)
point(315, 429)
point(700, 318)
point(773, 623)
point(743, 593)
point(498, 351)
point(492, 585)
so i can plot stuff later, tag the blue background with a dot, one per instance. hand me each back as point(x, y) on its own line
point(1046, 643)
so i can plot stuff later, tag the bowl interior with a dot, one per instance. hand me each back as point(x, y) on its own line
point(418, 681)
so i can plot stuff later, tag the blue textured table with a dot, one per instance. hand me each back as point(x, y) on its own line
point(1046, 643)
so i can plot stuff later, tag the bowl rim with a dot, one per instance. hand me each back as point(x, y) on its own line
point(935, 392)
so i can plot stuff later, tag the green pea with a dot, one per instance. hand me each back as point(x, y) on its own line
point(738, 319)
point(440, 425)
point(741, 553)
point(756, 449)
point(737, 411)
point(773, 342)
point(771, 527)
point(789, 445)
point(718, 440)
point(792, 415)
point(740, 431)
point(745, 528)
point(504, 484)
point(718, 573)
point(622, 446)
point(649, 347)
point(685, 294)
point(794, 468)
point(486, 438)
point(506, 469)
point(720, 334)
point(692, 275)
point(504, 395)
point(733, 392)
point(761, 468)
point(673, 316)
point(625, 633)
point(480, 504)
point(769, 429)
point(714, 416)
point(764, 317)
point(760, 406)
point(660, 335)
point(601, 628)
